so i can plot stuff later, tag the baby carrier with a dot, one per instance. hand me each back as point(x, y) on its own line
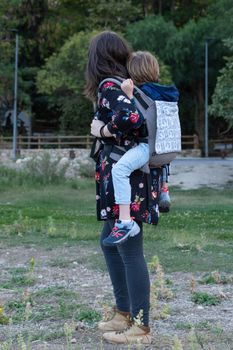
point(163, 124)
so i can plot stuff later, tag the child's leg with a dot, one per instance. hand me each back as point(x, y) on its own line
point(164, 198)
point(132, 160)
point(164, 176)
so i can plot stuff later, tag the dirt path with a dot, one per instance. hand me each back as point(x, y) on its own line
point(198, 172)
point(213, 324)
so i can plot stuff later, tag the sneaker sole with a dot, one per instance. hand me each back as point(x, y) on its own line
point(120, 241)
point(164, 210)
point(138, 341)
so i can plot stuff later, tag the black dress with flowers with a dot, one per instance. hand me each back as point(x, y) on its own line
point(128, 126)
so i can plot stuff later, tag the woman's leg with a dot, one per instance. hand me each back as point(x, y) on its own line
point(116, 269)
point(137, 276)
point(129, 274)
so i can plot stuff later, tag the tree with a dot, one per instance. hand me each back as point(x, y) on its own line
point(8, 21)
point(24, 16)
point(62, 78)
point(178, 11)
point(186, 55)
point(152, 33)
point(222, 99)
point(182, 49)
point(121, 14)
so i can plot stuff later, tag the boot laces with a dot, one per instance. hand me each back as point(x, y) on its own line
point(124, 330)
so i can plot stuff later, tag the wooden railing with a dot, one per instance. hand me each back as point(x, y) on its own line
point(47, 141)
point(221, 147)
point(60, 141)
point(190, 142)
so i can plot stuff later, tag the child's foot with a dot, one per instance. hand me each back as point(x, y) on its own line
point(164, 200)
point(121, 232)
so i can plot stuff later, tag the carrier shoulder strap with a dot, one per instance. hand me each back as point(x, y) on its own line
point(136, 92)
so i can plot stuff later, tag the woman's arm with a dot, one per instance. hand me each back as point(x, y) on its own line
point(99, 129)
point(125, 115)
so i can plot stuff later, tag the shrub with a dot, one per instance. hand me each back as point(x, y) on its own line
point(205, 299)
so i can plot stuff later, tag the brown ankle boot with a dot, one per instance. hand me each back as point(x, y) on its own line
point(119, 322)
point(134, 334)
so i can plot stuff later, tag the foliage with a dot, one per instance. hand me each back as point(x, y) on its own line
point(205, 299)
point(173, 30)
point(152, 34)
point(63, 79)
point(25, 17)
point(222, 100)
point(34, 171)
point(45, 169)
point(182, 48)
point(124, 12)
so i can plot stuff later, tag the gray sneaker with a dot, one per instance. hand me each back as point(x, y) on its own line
point(121, 232)
point(164, 201)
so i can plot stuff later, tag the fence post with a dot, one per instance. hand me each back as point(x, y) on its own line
point(59, 142)
point(29, 141)
point(195, 141)
point(39, 142)
point(87, 141)
point(20, 141)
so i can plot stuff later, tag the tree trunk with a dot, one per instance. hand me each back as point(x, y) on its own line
point(172, 8)
point(160, 7)
point(144, 8)
point(156, 6)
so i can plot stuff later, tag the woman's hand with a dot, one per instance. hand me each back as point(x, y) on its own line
point(127, 87)
point(96, 125)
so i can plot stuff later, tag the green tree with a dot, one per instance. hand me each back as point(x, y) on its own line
point(152, 33)
point(7, 64)
point(186, 55)
point(121, 14)
point(24, 16)
point(183, 49)
point(222, 99)
point(179, 11)
point(62, 78)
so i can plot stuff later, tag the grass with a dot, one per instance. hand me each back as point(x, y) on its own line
point(205, 299)
point(195, 236)
point(53, 303)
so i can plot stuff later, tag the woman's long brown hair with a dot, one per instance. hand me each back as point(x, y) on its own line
point(107, 57)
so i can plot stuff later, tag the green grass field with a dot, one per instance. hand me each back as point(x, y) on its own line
point(197, 234)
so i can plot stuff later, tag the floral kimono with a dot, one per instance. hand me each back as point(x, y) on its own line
point(128, 126)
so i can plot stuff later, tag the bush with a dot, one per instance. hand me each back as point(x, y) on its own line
point(87, 169)
point(44, 169)
point(205, 299)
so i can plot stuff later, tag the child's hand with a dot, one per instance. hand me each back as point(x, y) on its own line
point(127, 87)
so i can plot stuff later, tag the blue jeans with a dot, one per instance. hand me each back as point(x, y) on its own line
point(132, 160)
point(128, 272)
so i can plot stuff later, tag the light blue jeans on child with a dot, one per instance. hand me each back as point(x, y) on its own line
point(132, 160)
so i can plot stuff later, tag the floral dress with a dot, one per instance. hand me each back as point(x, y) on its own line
point(128, 126)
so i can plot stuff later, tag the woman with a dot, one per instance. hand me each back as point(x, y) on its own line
point(116, 115)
